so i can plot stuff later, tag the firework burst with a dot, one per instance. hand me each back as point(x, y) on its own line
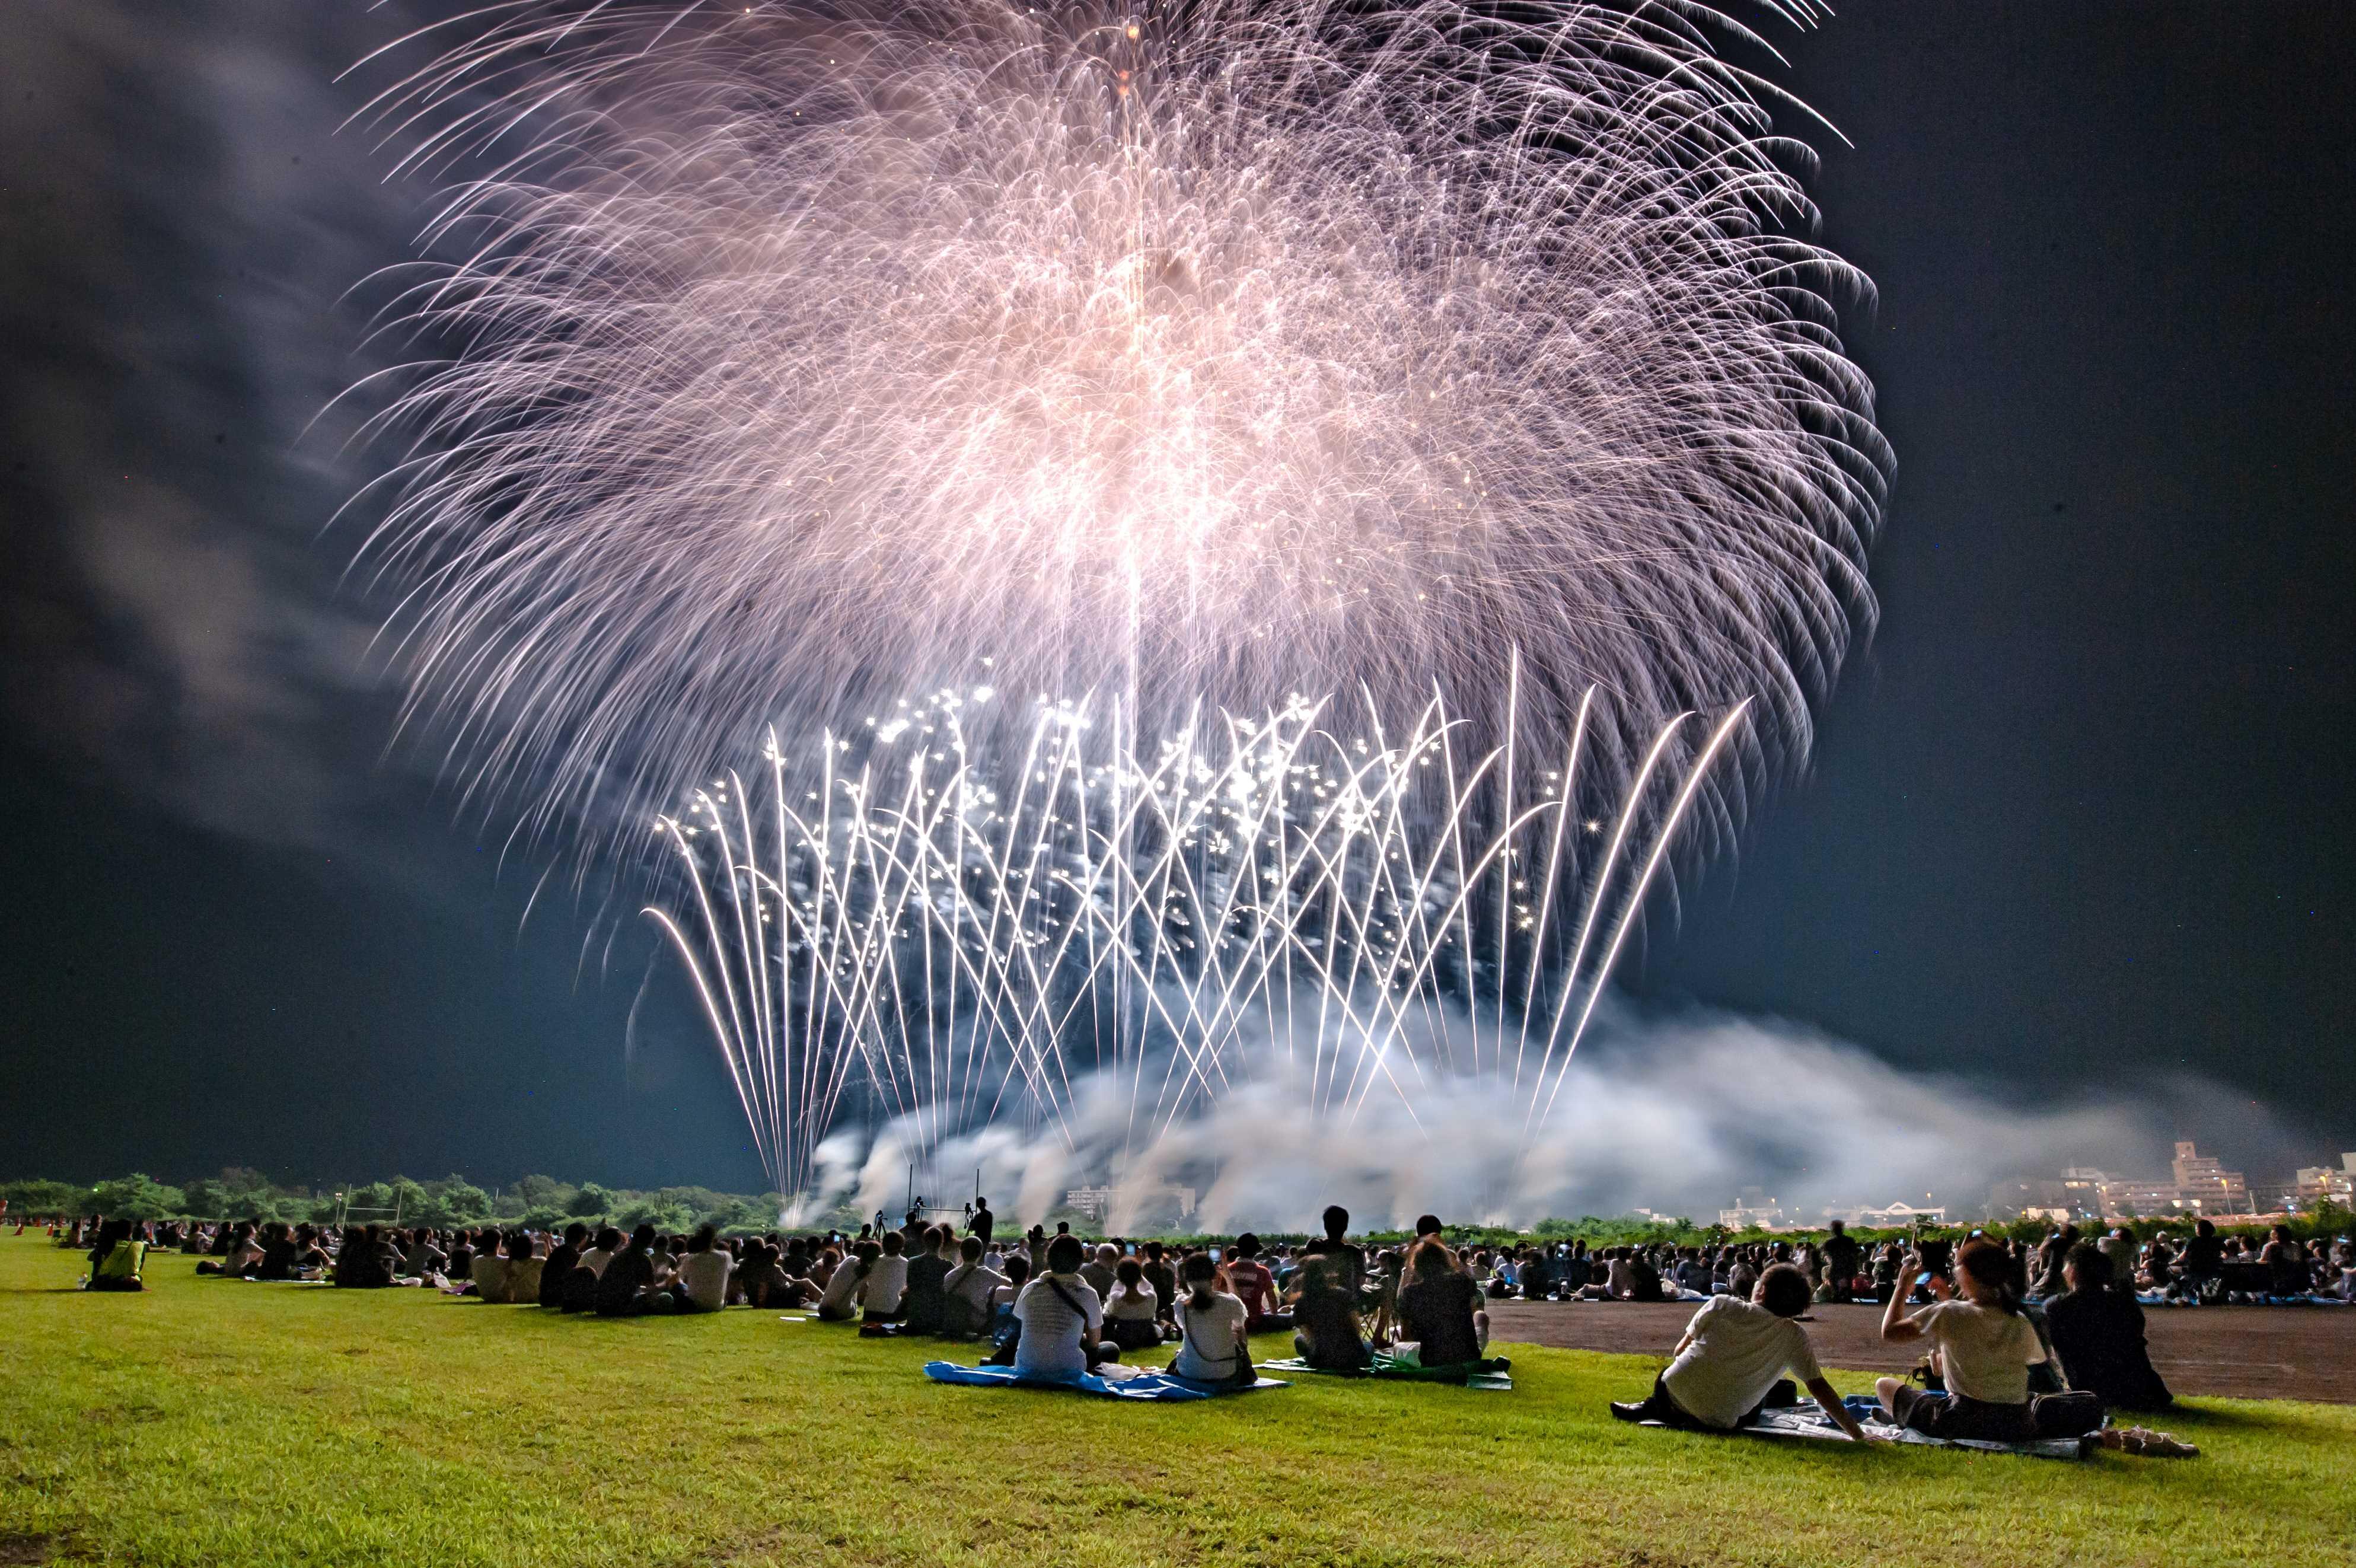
point(783, 356)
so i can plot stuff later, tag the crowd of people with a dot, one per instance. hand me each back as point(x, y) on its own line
point(1047, 1305)
point(2022, 1340)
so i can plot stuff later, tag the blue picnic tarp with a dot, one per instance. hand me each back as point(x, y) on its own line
point(1133, 1384)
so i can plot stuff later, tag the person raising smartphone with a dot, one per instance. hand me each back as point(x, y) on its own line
point(1982, 1347)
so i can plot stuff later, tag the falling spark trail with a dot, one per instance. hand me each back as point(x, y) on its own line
point(958, 905)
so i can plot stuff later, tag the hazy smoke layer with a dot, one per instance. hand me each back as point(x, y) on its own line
point(1675, 1115)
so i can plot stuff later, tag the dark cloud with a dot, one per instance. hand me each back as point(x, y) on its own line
point(182, 222)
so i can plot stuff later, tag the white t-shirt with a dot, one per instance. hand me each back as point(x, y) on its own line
point(1739, 1350)
point(841, 1285)
point(976, 1285)
point(1207, 1353)
point(1141, 1304)
point(886, 1284)
point(704, 1276)
point(595, 1259)
point(1986, 1353)
point(1053, 1334)
point(490, 1273)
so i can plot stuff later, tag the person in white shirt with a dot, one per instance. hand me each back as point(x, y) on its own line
point(968, 1290)
point(1063, 1321)
point(522, 1283)
point(703, 1276)
point(880, 1292)
point(609, 1241)
point(1982, 1347)
point(1732, 1356)
point(839, 1305)
point(490, 1273)
point(1212, 1347)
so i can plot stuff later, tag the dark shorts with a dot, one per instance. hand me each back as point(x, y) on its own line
point(1954, 1417)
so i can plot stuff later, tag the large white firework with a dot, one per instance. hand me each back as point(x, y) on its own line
point(784, 355)
point(964, 922)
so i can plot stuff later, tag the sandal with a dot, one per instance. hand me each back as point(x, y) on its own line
point(2150, 1445)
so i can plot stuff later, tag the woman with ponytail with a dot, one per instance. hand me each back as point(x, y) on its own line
point(1212, 1346)
point(1982, 1349)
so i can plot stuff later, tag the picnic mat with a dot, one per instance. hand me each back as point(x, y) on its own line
point(1805, 1422)
point(2159, 1298)
point(1129, 1383)
point(1491, 1374)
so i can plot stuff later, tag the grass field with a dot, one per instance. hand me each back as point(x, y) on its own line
point(210, 1422)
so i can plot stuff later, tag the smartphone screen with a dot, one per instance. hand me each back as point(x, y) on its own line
point(1924, 1278)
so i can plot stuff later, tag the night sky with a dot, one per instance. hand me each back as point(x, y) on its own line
point(2079, 821)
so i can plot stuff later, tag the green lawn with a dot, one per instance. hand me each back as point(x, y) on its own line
point(207, 1422)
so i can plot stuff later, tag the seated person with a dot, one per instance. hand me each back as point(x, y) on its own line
point(1099, 1270)
point(968, 1292)
point(1213, 1347)
point(278, 1251)
point(116, 1258)
point(1439, 1310)
point(840, 1304)
point(562, 1259)
point(1325, 1328)
point(704, 1273)
point(364, 1262)
point(631, 1284)
point(1732, 1356)
point(2285, 1262)
point(1161, 1278)
point(2098, 1336)
point(524, 1269)
point(1982, 1349)
point(241, 1258)
point(883, 1290)
point(1255, 1286)
point(926, 1269)
point(487, 1273)
point(1062, 1318)
point(423, 1256)
point(1132, 1312)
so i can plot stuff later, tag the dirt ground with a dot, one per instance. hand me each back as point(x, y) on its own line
point(2237, 1352)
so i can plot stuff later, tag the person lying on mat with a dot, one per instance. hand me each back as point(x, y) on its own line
point(1325, 1327)
point(1212, 1346)
point(1062, 1319)
point(1734, 1356)
point(1439, 1308)
point(1982, 1347)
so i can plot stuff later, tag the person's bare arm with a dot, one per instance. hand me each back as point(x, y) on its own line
point(1896, 1327)
point(1830, 1400)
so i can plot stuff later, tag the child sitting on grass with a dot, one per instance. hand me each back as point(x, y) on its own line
point(1733, 1355)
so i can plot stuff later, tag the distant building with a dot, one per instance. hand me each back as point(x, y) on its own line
point(2197, 1184)
point(1096, 1202)
point(2325, 1183)
point(2082, 1190)
point(1752, 1208)
point(1899, 1215)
